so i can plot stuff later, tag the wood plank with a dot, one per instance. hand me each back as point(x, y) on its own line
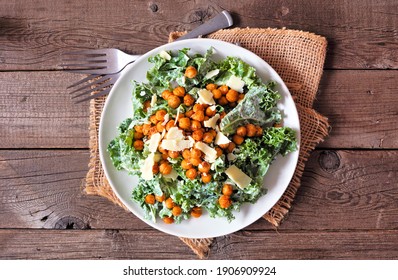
point(344, 190)
point(36, 111)
point(361, 34)
point(128, 244)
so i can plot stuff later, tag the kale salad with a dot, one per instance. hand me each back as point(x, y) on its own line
point(201, 136)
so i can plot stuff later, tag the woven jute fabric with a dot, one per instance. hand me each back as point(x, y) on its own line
point(298, 57)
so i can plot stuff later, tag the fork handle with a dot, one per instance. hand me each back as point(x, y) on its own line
point(222, 20)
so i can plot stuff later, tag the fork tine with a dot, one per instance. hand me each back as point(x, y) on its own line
point(90, 77)
point(101, 93)
point(84, 65)
point(98, 87)
point(86, 52)
point(96, 80)
point(84, 59)
point(96, 71)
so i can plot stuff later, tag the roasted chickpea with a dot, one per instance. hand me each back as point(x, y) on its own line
point(251, 130)
point(224, 146)
point(241, 131)
point(189, 113)
point(222, 115)
point(173, 101)
point(146, 105)
point(208, 137)
point(138, 145)
point(259, 131)
point(138, 128)
point(216, 93)
point(196, 212)
point(160, 127)
point(241, 97)
point(195, 125)
point(210, 112)
point(176, 211)
point(173, 154)
point(191, 173)
point(238, 139)
point(166, 94)
point(160, 198)
point(198, 116)
point(219, 151)
point(186, 154)
point(152, 131)
point(138, 135)
point(213, 132)
point(223, 101)
point(197, 135)
point(179, 91)
point(204, 167)
point(168, 220)
point(150, 199)
point(231, 147)
point(161, 149)
point(227, 189)
point(211, 86)
point(169, 203)
point(224, 89)
point(198, 107)
point(232, 95)
point(160, 115)
point(188, 100)
point(153, 119)
point(195, 161)
point(196, 153)
point(186, 164)
point(180, 116)
point(165, 156)
point(232, 104)
point(165, 168)
point(184, 123)
point(155, 168)
point(225, 201)
point(206, 178)
point(191, 72)
point(170, 124)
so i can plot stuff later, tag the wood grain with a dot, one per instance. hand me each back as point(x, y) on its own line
point(361, 34)
point(345, 190)
point(36, 111)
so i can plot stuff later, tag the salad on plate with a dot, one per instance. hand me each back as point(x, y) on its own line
point(201, 136)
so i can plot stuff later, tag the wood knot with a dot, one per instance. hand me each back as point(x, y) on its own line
point(329, 161)
point(70, 222)
point(200, 16)
point(154, 8)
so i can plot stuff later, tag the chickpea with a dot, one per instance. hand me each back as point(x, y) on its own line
point(165, 156)
point(160, 127)
point(138, 128)
point(152, 131)
point(241, 97)
point(211, 86)
point(219, 151)
point(179, 91)
point(191, 173)
point(231, 147)
point(186, 154)
point(173, 101)
point(204, 167)
point(170, 124)
point(224, 89)
point(224, 201)
point(251, 130)
point(155, 168)
point(197, 135)
point(208, 137)
point(153, 119)
point(165, 168)
point(173, 154)
point(241, 131)
point(210, 112)
point(138, 145)
point(189, 113)
point(169, 203)
point(198, 116)
point(195, 161)
point(238, 140)
point(138, 135)
point(180, 116)
point(190, 72)
point(184, 123)
point(160, 115)
point(206, 178)
point(186, 164)
point(223, 101)
point(150, 199)
point(161, 149)
point(213, 132)
point(196, 212)
point(259, 131)
point(177, 211)
point(195, 153)
point(224, 146)
point(146, 105)
point(188, 100)
point(160, 198)
point(227, 189)
point(195, 125)
point(232, 104)
point(168, 220)
point(166, 94)
point(198, 107)
point(232, 95)
point(216, 93)
point(222, 115)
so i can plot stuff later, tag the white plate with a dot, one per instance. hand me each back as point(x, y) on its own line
point(119, 107)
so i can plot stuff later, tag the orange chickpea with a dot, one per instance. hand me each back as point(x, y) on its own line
point(170, 124)
point(160, 127)
point(223, 101)
point(213, 132)
point(206, 178)
point(195, 153)
point(198, 107)
point(160, 115)
point(138, 135)
point(145, 128)
point(180, 116)
point(190, 72)
point(232, 95)
point(146, 105)
point(165, 156)
point(169, 203)
point(227, 189)
point(173, 101)
point(224, 201)
point(153, 119)
point(138, 128)
point(166, 94)
point(198, 116)
point(196, 212)
point(188, 100)
point(219, 151)
point(241, 131)
point(224, 89)
point(186, 164)
point(197, 135)
point(251, 130)
point(222, 115)
point(216, 93)
point(208, 137)
point(186, 154)
point(177, 211)
point(211, 86)
point(168, 220)
point(189, 113)
point(155, 168)
point(241, 97)
point(224, 146)
point(150, 199)
point(210, 112)
point(238, 140)
point(231, 147)
point(179, 91)
point(161, 149)
point(259, 131)
point(195, 125)
point(138, 145)
point(152, 131)
point(160, 198)
point(204, 167)
point(191, 173)
point(173, 154)
point(165, 168)
point(195, 161)
point(184, 123)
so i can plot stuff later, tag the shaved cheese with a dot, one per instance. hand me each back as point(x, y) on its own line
point(238, 176)
point(212, 121)
point(174, 133)
point(212, 73)
point(157, 157)
point(236, 83)
point(165, 55)
point(231, 157)
point(177, 145)
point(178, 114)
point(172, 175)
point(146, 169)
point(221, 139)
point(210, 153)
point(205, 97)
point(153, 100)
point(153, 142)
point(166, 119)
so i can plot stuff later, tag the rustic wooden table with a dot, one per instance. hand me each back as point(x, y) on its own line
point(346, 208)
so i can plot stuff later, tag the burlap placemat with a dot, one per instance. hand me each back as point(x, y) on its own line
point(298, 57)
